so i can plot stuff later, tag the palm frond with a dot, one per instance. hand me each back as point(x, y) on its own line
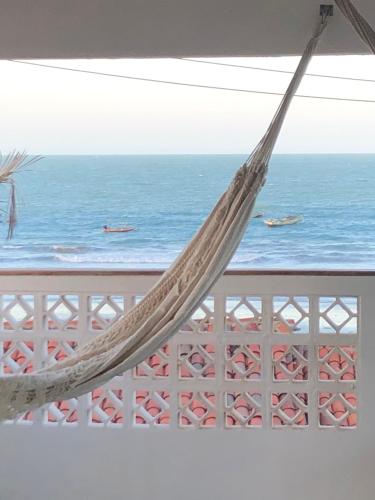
point(10, 165)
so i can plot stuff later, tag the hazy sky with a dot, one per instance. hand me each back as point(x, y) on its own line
point(49, 111)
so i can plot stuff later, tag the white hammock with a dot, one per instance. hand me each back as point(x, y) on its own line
point(173, 299)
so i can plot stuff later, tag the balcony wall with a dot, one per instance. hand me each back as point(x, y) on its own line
point(267, 391)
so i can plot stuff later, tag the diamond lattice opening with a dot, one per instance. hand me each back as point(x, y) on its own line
point(338, 315)
point(197, 409)
point(55, 350)
point(338, 410)
point(290, 363)
point(62, 312)
point(17, 312)
point(337, 363)
point(243, 362)
point(202, 320)
point(104, 310)
point(196, 361)
point(62, 413)
point(289, 410)
point(155, 366)
point(291, 315)
point(243, 409)
point(152, 408)
point(16, 357)
point(106, 407)
point(243, 315)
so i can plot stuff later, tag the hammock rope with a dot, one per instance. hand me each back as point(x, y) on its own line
point(358, 22)
point(171, 302)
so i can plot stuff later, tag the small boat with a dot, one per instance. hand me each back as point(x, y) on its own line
point(284, 221)
point(125, 229)
point(257, 215)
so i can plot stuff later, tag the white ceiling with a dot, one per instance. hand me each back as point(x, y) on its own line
point(169, 28)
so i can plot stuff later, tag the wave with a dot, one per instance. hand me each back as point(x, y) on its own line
point(116, 259)
point(13, 247)
point(138, 258)
point(53, 248)
point(70, 249)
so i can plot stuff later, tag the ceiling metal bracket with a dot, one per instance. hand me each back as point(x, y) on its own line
point(326, 10)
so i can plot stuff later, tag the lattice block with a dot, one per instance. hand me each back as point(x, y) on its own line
point(202, 321)
point(338, 410)
point(338, 315)
point(16, 357)
point(243, 409)
point(152, 408)
point(136, 299)
point(290, 363)
point(337, 363)
point(243, 362)
point(243, 314)
point(61, 413)
point(104, 310)
point(17, 312)
point(61, 312)
point(196, 361)
point(55, 350)
point(289, 410)
point(106, 407)
point(26, 418)
point(197, 409)
point(156, 366)
point(291, 315)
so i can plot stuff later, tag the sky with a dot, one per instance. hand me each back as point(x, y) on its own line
point(48, 111)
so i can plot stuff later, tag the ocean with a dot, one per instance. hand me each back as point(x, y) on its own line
point(65, 200)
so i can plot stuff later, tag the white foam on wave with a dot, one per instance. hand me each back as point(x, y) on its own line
point(114, 259)
point(139, 258)
point(68, 249)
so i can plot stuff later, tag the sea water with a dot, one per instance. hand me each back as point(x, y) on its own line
point(64, 201)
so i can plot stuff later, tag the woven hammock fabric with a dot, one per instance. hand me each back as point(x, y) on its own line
point(171, 302)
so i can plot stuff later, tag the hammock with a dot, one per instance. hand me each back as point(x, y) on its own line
point(171, 302)
point(359, 23)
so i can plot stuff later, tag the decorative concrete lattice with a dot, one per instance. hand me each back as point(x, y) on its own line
point(104, 310)
point(16, 357)
point(197, 409)
point(156, 366)
point(61, 312)
point(152, 408)
point(337, 410)
point(202, 321)
point(196, 361)
point(242, 361)
point(290, 363)
point(289, 409)
point(243, 315)
point(243, 409)
point(106, 407)
point(291, 315)
point(17, 312)
point(61, 413)
point(337, 363)
point(55, 350)
point(338, 315)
